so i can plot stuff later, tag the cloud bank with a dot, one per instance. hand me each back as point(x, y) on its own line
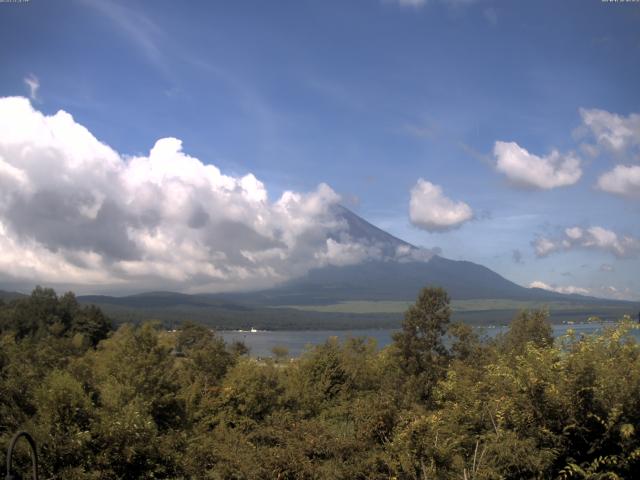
point(595, 238)
point(569, 289)
point(526, 170)
point(431, 210)
point(602, 291)
point(75, 211)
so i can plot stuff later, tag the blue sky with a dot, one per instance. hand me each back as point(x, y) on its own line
point(368, 97)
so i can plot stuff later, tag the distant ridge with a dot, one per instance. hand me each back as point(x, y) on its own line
point(163, 300)
point(7, 296)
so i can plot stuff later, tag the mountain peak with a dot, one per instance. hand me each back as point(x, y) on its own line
point(391, 247)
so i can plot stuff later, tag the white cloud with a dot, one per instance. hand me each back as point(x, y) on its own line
point(623, 180)
point(32, 82)
point(544, 246)
point(74, 210)
point(431, 210)
point(524, 169)
point(609, 291)
point(595, 238)
point(339, 253)
point(574, 233)
point(618, 136)
point(601, 291)
point(539, 284)
point(569, 289)
point(613, 133)
point(406, 253)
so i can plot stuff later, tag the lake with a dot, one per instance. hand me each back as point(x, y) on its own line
point(260, 343)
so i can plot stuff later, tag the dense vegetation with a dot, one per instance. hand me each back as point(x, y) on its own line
point(140, 402)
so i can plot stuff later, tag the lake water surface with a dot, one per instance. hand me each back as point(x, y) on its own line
point(260, 343)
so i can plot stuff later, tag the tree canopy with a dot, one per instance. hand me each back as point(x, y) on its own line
point(439, 402)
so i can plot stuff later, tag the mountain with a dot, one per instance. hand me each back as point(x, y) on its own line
point(364, 232)
point(370, 294)
point(8, 296)
point(393, 280)
point(396, 277)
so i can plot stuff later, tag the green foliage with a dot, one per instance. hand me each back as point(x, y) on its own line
point(250, 392)
point(44, 314)
point(439, 403)
point(529, 326)
point(65, 414)
point(421, 353)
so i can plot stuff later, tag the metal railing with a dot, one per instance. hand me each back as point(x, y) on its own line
point(34, 456)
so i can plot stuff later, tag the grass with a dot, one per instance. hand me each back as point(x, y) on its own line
point(366, 306)
point(356, 306)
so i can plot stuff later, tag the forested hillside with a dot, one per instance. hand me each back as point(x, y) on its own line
point(141, 402)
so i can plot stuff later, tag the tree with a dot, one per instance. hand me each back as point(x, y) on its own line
point(136, 381)
point(251, 391)
point(65, 413)
point(92, 323)
point(529, 326)
point(421, 353)
point(319, 376)
point(44, 314)
point(466, 345)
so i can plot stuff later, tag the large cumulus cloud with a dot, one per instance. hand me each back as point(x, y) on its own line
point(74, 211)
point(526, 170)
point(431, 210)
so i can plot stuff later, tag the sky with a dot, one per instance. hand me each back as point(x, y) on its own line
point(201, 146)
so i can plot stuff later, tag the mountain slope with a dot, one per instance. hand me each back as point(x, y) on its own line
point(396, 276)
point(392, 280)
point(362, 231)
point(7, 296)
